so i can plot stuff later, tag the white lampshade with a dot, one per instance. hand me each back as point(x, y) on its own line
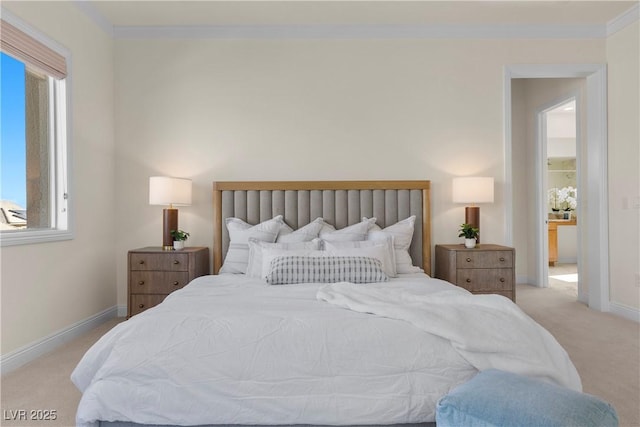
point(473, 189)
point(164, 190)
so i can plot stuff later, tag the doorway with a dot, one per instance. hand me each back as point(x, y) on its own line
point(524, 235)
point(559, 162)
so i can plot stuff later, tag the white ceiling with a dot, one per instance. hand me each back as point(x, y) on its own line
point(300, 12)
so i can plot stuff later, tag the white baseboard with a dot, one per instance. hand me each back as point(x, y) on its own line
point(525, 280)
point(614, 308)
point(122, 311)
point(624, 311)
point(23, 355)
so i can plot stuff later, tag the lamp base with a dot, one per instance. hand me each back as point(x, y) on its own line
point(169, 222)
point(472, 217)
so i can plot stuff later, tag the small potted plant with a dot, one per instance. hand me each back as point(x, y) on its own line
point(470, 235)
point(179, 236)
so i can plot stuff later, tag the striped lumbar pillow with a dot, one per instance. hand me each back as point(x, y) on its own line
point(286, 270)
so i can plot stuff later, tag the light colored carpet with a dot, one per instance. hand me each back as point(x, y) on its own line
point(604, 348)
point(44, 384)
point(564, 277)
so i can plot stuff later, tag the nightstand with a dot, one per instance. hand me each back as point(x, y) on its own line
point(154, 273)
point(485, 269)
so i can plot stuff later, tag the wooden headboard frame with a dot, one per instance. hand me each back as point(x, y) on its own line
point(220, 187)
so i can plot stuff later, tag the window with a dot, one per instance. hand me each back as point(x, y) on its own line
point(34, 198)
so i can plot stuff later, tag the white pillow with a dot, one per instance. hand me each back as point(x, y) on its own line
point(256, 248)
point(402, 233)
point(351, 233)
point(239, 234)
point(302, 234)
point(269, 254)
point(381, 249)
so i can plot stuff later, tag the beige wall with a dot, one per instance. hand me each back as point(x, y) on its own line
point(623, 53)
point(272, 109)
point(303, 109)
point(48, 287)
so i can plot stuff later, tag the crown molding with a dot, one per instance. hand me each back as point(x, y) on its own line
point(363, 32)
point(94, 14)
point(327, 31)
point(623, 20)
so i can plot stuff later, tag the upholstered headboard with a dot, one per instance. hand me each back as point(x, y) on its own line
point(340, 203)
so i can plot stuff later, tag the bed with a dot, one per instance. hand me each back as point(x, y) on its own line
point(337, 324)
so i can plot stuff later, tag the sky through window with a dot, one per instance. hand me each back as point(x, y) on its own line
point(13, 185)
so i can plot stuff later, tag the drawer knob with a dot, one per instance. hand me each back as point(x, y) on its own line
point(468, 280)
point(176, 283)
point(502, 279)
point(141, 282)
point(141, 262)
point(468, 259)
point(140, 305)
point(176, 261)
point(502, 259)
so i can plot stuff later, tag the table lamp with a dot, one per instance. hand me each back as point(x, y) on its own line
point(164, 190)
point(473, 190)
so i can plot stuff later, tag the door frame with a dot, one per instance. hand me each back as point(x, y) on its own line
point(595, 218)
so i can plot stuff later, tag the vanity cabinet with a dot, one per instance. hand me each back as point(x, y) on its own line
point(553, 237)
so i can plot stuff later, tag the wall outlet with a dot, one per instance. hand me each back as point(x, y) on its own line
point(632, 202)
point(637, 280)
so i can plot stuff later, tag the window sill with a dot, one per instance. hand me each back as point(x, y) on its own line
point(15, 238)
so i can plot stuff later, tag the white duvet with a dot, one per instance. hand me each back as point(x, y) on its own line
point(228, 349)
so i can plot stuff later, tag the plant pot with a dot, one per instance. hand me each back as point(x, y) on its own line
point(178, 245)
point(469, 243)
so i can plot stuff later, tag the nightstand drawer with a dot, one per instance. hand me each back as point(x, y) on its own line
point(157, 282)
point(140, 303)
point(154, 273)
point(485, 279)
point(487, 269)
point(484, 259)
point(160, 262)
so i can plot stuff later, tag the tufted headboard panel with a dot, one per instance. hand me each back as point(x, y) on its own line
point(340, 203)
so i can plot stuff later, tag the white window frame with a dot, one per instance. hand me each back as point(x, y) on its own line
point(60, 180)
